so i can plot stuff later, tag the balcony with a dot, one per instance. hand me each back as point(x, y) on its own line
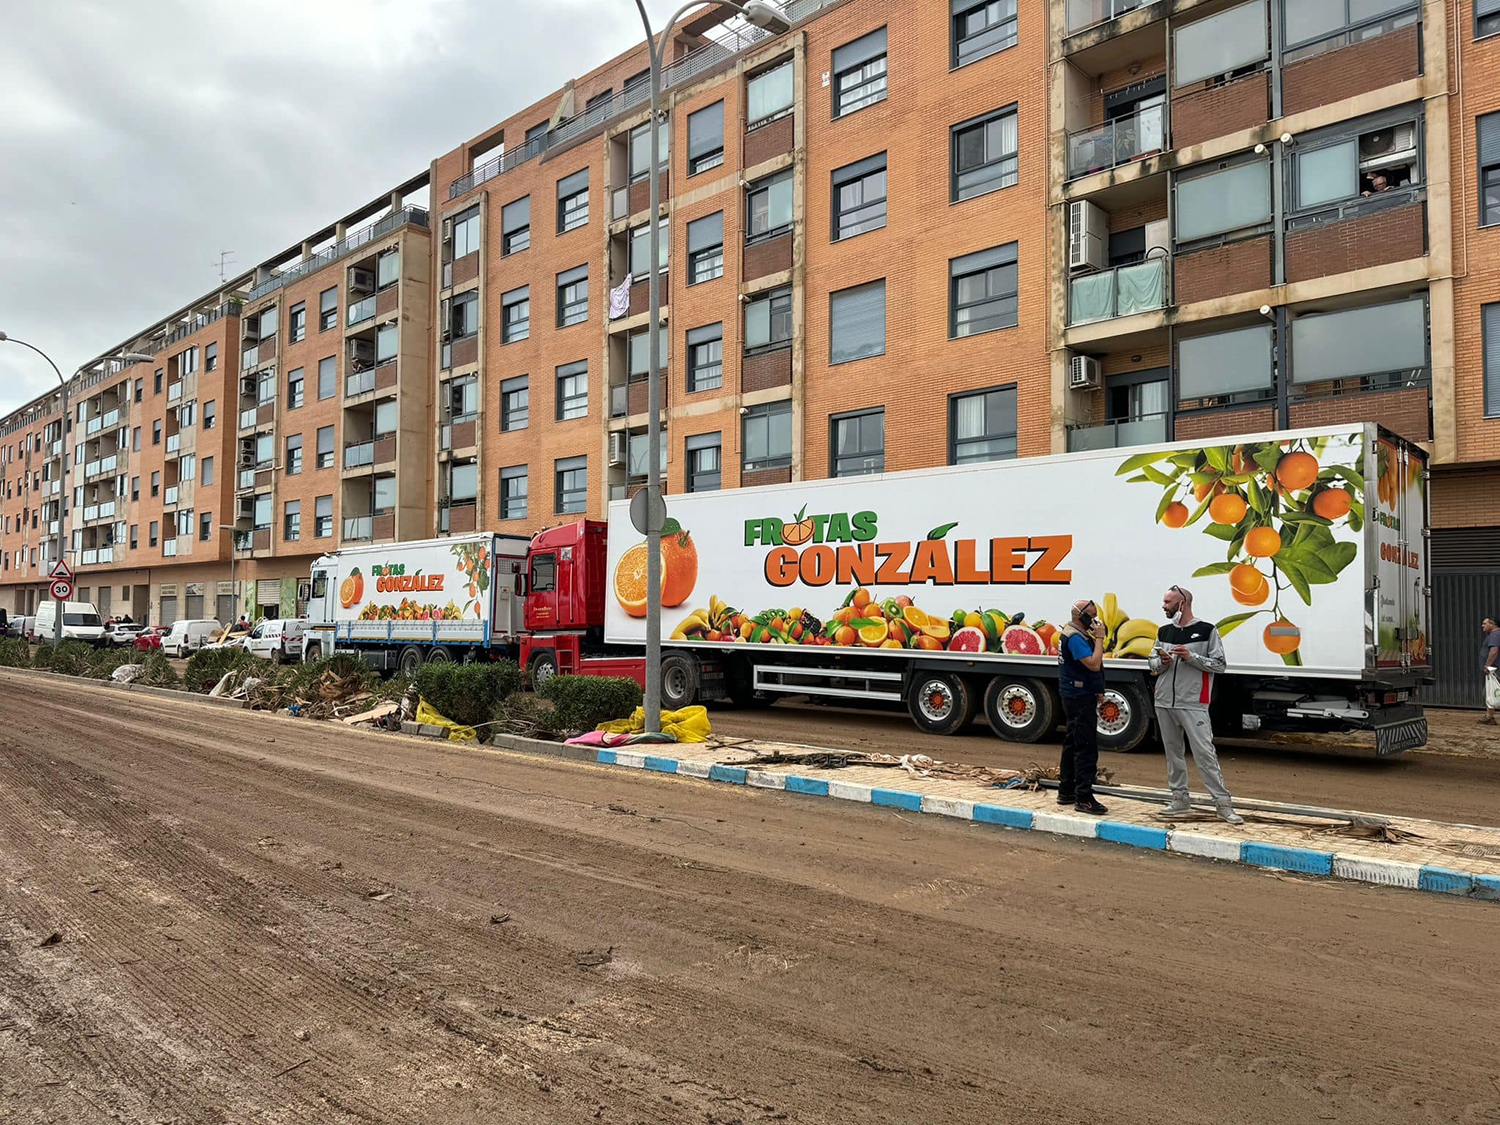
point(361, 311)
point(1149, 430)
point(169, 548)
point(248, 418)
point(358, 528)
point(381, 227)
point(1084, 14)
point(96, 556)
point(249, 358)
point(174, 392)
point(174, 444)
point(359, 455)
point(619, 400)
point(1122, 291)
point(169, 496)
point(1101, 147)
point(359, 383)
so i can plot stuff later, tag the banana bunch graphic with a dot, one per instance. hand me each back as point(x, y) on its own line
point(1125, 636)
point(716, 618)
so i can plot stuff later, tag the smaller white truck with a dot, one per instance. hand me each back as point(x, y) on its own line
point(80, 623)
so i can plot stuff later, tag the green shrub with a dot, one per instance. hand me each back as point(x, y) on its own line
point(350, 673)
point(468, 693)
point(157, 671)
point(581, 703)
point(207, 666)
point(106, 660)
point(15, 653)
point(71, 658)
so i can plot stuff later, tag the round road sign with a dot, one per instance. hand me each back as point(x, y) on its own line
point(62, 589)
point(648, 510)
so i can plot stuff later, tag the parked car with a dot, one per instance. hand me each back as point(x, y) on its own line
point(278, 639)
point(20, 626)
point(189, 635)
point(123, 632)
point(150, 638)
point(80, 623)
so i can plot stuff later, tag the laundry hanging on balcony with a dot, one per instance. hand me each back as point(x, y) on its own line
point(619, 298)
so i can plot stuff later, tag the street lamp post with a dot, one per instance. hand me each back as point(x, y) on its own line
point(762, 15)
point(234, 594)
point(62, 479)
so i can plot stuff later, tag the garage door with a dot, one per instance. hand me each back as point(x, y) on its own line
point(225, 612)
point(1465, 590)
point(268, 595)
point(168, 611)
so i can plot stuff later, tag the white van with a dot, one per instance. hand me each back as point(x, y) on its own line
point(80, 623)
point(278, 639)
point(188, 636)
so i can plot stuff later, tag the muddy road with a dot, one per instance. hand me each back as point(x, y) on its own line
point(261, 919)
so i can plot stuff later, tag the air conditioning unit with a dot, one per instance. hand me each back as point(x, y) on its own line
point(362, 279)
point(447, 230)
point(245, 513)
point(1088, 236)
point(249, 385)
point(1084, 373)
point(1159, 237)
point(1391, 144)
point(362, 351)
point(616, 449)
point(247, 455)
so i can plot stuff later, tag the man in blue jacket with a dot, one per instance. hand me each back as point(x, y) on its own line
point(1080, 682)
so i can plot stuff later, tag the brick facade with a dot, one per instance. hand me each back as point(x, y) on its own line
point(1376, 239)
point(1225, 423)
point(766, 370)
point(1219, 271)
point(1405, 411)
point(1332, 76)
point(1199, 115)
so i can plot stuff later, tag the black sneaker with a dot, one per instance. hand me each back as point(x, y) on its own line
point(1091, 806)
point(1065, 798)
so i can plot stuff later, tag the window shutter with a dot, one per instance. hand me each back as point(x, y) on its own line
point(861, 51)
point(706, 232)
point(706, 130)
point(711, 332)
point(1489, 137)
point(577, 273)
point(858, 323)
point(572, 185)
point(982, 260)
point(1492, 359)
point(516, 215)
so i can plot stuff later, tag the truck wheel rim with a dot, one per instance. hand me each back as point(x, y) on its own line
point(542, 672)
point(935, 701)
point(1017, 706)
point(675, 682)
point(1114, 713)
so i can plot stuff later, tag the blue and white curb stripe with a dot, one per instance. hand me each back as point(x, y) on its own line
point(1276, 857)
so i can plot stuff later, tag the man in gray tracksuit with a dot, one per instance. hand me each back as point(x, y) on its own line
point(1187, 654)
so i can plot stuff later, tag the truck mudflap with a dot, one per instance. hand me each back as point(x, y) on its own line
point(1397, 729)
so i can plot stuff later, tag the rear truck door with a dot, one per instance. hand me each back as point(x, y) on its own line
point(1396, 503)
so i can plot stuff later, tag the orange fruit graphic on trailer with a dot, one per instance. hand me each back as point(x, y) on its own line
point(1176, 514)
point(630, 581)
point(915, 617)
point(352, 588)
point(875, 635)
point(1297, 471)
point(1228, 508)
point(1262, 542)
point(1332, 503)
point(1282, 637)
point(1248, 585)
point(679, 567)
point(799, 531)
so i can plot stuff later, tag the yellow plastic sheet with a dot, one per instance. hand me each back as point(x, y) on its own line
point(457, 732)
point(688, 725)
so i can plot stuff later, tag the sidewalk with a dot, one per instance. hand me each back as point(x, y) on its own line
point(1426, 855)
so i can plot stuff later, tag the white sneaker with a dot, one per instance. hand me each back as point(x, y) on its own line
point(1177, 810)
point(1229, 816)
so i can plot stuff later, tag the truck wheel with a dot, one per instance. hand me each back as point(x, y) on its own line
point(311, 654)
point(439, 655)
point(409, 661)
point(940, 702)
point(679, 681)
point(543, 667)
point(1124, 718)
point(1020, 709)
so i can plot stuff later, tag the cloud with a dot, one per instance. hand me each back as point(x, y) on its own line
point(141, 139)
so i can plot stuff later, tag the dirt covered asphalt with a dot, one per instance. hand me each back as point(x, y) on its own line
point(215, 916)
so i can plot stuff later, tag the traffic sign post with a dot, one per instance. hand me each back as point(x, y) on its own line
point(62, 589)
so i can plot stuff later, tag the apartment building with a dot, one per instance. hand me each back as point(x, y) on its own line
point(894, 236)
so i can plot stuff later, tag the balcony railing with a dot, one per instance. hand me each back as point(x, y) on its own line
point(246, 479)
point(359, 455)
point(94, 425)
point(169, 496)
point(174, 443)
point(619, 400)
point(359, 527)
point(381, 227)
point(111, 418)
point(1086, 13)
point(249, 358)
point(174, 392)
point(1113, 435)
point(1119, 292)
point(359, 383)
point(91, 512)
point(361, 311)
point(1117, 142)
point(169, 547)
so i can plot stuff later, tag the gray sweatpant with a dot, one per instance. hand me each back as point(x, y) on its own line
point(1184, 728)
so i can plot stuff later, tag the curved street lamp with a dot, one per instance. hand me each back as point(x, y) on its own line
point(766, 17)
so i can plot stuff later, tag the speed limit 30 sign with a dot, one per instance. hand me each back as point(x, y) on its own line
point(62, 589)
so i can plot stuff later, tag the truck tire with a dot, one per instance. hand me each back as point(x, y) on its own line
point(679, 681)
point(312, 653)
point(940, 702)
point(1124, 718)
point(439, 655)
point(1020, 709)
point(543, 667)
point(409, 661)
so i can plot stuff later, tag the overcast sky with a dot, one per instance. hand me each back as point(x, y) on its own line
point(142, 137)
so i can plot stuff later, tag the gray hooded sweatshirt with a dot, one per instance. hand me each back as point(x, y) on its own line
point(1187, 682)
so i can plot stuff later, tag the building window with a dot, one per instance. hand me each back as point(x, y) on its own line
point(766, 436)
point(140, 388)
point(513, 488)
point(515, 403)
point(768, 94)
point(859, 197)
point(706, 137)
point(1223, 43)
point(1488, 130)
point(154, 534)
point(387, 339)
point(1313, 21)
point(156, 382)
point(323, 517)
point(135, 441)
point(463, 315)
point(857, 443)
point(640, 250)
point(982, 291)
point(768, 320)
point(573, 201)
point(1226, 367)
point(463, 398)
point(705, 357)
point(328, 377)
point(640, 149)
point(573, 391)
point(135, 492)
point(768, 207)
point(156, 483)
point(205, 526)
point(639, 358)
point(571, 485)
point(387, 269)
point(985, 154)
point(1374, 348)
point(979, 30)
point(295, 388)
point(1491, 330)
point(982, 426)
point(573, 296)
point(156, 432)
point(602, 98)
point(210, 358)
point(515, 315)
point(291, 521)
point(705, 462)
point(637, 455)
point(265, 387)
point(705, 242)
point(466, 233)
point(293, 455)
point(208, 470)
point(859, 73)
point(187, 362)
point(325, 447)
point(263, 512)
point(297, 323)
point(515, 226)
point(1486, 18)
point(210, 416)
point(856, 322)
point(1375, 162)
point(1223, 201)
point(328, 309)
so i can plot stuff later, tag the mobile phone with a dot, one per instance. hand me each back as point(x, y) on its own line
point(1086, 620)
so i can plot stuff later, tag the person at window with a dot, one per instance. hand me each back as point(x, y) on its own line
point(1080, 682)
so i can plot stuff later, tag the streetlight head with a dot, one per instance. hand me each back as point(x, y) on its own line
point(766, 16)
point(137, 357)
point(3, 337)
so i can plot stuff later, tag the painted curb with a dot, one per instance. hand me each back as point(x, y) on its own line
point(1273, 857)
